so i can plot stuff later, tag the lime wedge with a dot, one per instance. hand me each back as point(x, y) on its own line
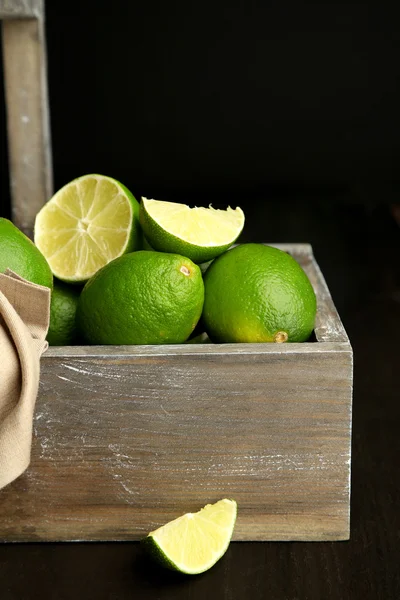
point(85, 225)
point(198, 233)
point(194, 542)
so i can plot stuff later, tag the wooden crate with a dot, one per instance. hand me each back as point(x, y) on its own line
point(127, 438)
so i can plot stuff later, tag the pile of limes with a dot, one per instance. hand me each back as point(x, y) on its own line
point(150, 273)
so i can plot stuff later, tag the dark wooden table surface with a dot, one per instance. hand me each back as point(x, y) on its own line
point(358, 249)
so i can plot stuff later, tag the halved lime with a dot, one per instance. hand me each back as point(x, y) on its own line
point(85, 225)
point(194, 542)
point(198, 233)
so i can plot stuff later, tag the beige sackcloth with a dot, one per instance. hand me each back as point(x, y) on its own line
point(24, 321)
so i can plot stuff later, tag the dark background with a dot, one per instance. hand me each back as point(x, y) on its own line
point(227, 100)
point(291, 110)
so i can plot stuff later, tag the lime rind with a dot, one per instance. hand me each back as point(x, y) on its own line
point(199, 233)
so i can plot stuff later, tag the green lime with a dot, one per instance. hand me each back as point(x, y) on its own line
point(86, 224)
point(19, 253)
point(256, 293)
point(64, 302)
point(142, 298)
point(201, 234)
point(193, 543)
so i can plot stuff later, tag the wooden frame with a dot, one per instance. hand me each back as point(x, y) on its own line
point(129, 437)
point(28, 125)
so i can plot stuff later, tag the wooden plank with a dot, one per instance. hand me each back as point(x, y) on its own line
point(19, 9)
point(176, 350)
point(124, 443)
point(328, 326)
point(24, 56)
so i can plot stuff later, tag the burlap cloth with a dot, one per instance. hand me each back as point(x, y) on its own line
point(24, 321)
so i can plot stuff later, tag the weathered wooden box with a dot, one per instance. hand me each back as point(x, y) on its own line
point(127, 438)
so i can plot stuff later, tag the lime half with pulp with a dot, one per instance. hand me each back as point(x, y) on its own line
point(87, 224)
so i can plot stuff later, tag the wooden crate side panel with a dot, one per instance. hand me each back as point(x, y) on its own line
point(328, 325)
point(124, 444)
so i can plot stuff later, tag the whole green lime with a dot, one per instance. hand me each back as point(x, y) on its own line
point(256, 293)
point(64, 302)
point(19, 253)
point(142, 298)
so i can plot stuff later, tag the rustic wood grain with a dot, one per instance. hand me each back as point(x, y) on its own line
point(127, 438)
point(24, 55)
point(328, 326)
point(124, 443)
point(18, 9)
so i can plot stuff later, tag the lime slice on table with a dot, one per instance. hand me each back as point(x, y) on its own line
point(198, 233)
point(194, 542)
point(85, 225)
